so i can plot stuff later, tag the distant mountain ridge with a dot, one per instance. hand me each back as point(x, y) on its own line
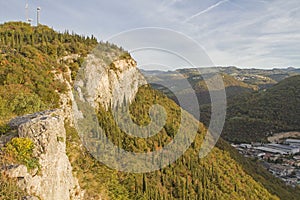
point(260, 102)
point(263, 78)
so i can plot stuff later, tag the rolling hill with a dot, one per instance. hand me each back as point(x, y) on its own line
point(260, 102)
point(255, 116)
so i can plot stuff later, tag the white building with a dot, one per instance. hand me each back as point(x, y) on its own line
point(292, 142)
point(271, 150)
point(286, 148)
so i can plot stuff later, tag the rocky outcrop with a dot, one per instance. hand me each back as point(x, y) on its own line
point(97, 83)
point(67, 97)
point(6, 138)
point(54, 179)
point(108, 85)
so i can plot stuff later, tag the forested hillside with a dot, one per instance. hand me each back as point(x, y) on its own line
point(217, 176)
point(31, 57)
point(255, 116)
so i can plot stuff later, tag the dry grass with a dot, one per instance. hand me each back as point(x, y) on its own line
point(8, 187)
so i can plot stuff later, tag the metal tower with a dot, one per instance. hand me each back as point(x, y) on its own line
point(38, 16)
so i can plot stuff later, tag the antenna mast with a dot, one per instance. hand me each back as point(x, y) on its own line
point(38, 16)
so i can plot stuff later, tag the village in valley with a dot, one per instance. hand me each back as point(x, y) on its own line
point(281, 158)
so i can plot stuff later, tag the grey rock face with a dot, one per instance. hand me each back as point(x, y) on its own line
point(55, 179)
point(108, 85)
point(6, 138)
point(16, 171)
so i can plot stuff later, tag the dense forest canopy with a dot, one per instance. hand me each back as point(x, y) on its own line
point(256, 115)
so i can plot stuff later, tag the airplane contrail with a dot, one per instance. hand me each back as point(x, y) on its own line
point(206, 10)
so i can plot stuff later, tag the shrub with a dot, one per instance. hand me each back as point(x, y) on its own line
point(4, 129)
point(21, 151)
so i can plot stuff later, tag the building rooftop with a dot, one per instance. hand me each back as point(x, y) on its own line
point(271, 150)
point(286, 147)
point(292, 141)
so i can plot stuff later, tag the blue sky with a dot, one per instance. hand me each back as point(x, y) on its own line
point(255, 33)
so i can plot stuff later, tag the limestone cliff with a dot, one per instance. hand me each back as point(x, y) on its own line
point(54, 179)
point(110, 85)
point(105, 84)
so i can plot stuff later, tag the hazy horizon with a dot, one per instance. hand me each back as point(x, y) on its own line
point(239, 67)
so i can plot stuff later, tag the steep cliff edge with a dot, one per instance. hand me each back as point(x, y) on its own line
point(54, 179)
point(108, 84)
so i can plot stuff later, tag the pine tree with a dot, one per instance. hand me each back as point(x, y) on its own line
point(144, 183)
